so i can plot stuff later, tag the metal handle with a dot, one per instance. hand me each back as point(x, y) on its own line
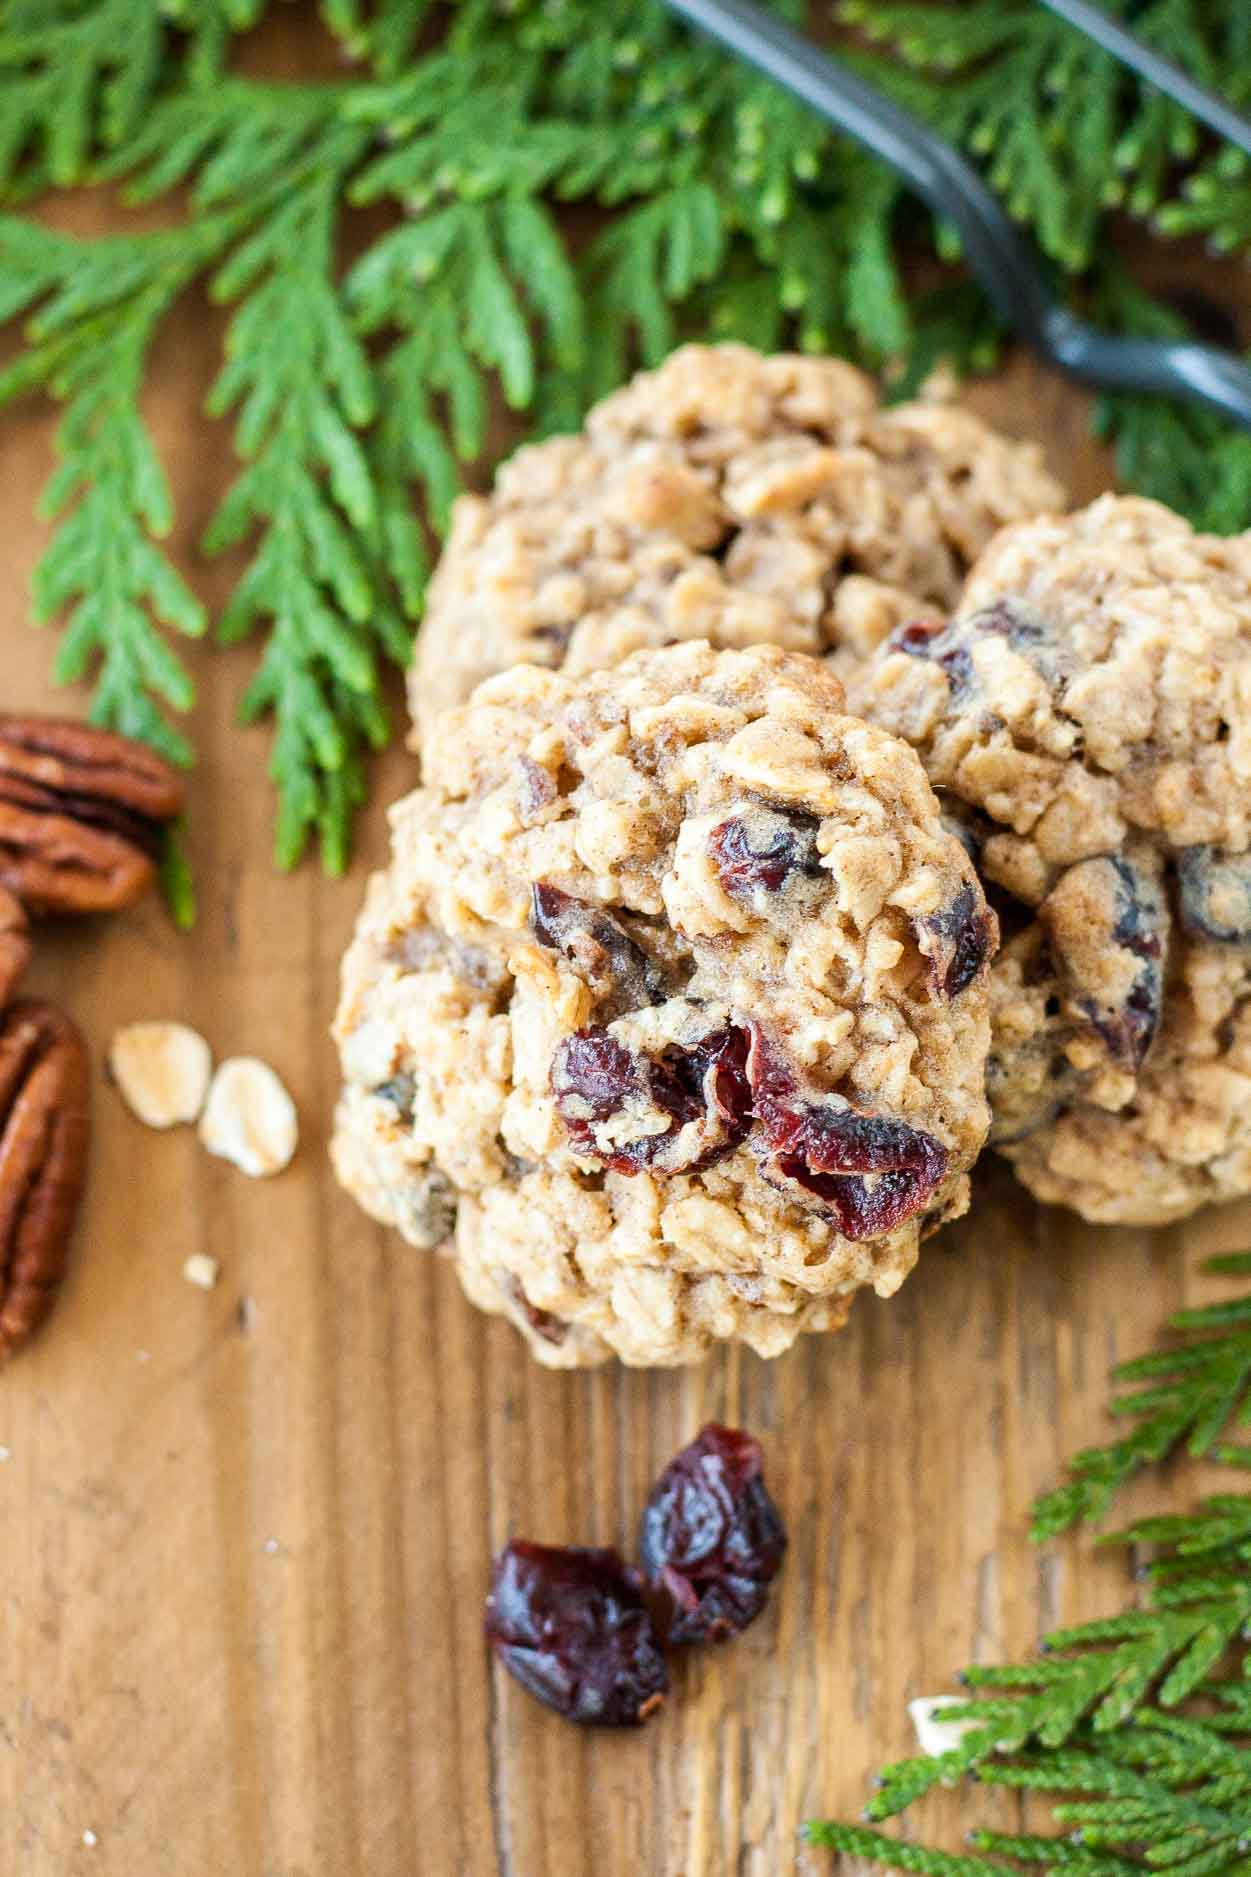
point(998, 254)
point(1198, 99)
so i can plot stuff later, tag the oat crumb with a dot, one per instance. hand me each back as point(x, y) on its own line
point(201, 1270)
point(250, 1118)
point(162, 1071)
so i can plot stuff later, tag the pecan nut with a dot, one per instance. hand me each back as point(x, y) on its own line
point(14, 945)
point(44, 1134)
point(82, 814)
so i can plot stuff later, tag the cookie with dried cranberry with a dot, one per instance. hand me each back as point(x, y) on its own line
point(1087, 717)
point(726, 496)
point(676, 988)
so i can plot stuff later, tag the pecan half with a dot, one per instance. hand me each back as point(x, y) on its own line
point(14, 945)
point(43, 1161)
point(81, 814)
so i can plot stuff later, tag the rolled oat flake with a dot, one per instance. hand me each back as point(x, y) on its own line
point(250, 1118)
point(161, 1071)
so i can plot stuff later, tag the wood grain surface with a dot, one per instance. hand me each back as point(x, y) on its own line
point(244, 1534)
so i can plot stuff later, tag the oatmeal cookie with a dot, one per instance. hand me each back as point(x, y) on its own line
point(674, 991)
point(1087, 718)
point(729, 497)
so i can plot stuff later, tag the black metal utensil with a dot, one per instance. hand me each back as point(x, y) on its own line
point(1126, 46)
point(997, 252)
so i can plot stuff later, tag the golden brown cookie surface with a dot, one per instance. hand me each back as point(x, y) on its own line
point(726, 496)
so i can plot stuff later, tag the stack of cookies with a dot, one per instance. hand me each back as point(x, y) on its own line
point(806, 799)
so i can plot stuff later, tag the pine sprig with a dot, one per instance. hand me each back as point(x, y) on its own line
point(385, 33)
point(1135, 1728)
point(1173, 1789)
point(1181, 454)
point(1092, 1679)
point(89, 345)
point(1195, 1388)
point(1065, 131)
point(1022, 90)
point(720, 208)
point(75, 79)
point(1165, 1792)
point(71, 79)
point(301, 386)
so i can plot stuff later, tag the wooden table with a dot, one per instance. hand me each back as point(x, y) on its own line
point(244, 1534)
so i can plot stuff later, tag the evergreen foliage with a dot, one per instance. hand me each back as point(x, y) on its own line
point(1135, 1728)
point(359, 391)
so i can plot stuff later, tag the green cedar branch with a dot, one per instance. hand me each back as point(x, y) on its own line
point(1096, 1727)
point(1165, 1792)
point(1064, 130)
point(1092, 1679)
point(89, 340)
point(1192, 1390)
point(730, 212)
point(301, 388)
point(79, 79)
point(1135, 1728)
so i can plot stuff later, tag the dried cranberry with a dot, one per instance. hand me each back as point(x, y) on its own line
point(869, 1171)
point(958, 941)
point(1002, 620)
point(770, 1075)
point(764, 850)
point(722, 1066)
point(1141, 928)
point(951, 647)
point(711, 1539)
point(1214, 891)
point(594, 1078)
point(571, 1626)
point(536, 790)
point(1100, 908)
point(708, 1082)
point(604, 955)
point(552, 1329)
point(917, 637)
point(936, 644)
point(401, 1092)
point(830, 1152)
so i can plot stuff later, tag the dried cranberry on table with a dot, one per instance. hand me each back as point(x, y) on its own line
point(712, 1539)
point(571, 1626)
